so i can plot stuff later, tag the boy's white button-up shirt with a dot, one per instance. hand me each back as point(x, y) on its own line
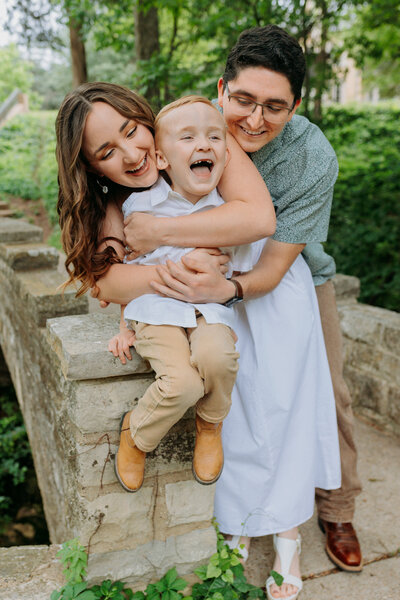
point(161, 201)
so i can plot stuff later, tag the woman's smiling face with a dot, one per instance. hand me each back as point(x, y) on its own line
point(120, 148)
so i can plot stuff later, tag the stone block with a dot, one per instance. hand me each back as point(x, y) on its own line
point(117, 521)
point(391, 334)
point(81, 344)
point(100, 403)
point(189, 502)
point(29, 256)
point(366, 390)
point(359, 323)
point(93, 465)
point(150, 561)
point(346, 287)
point(42, 298)
point(394, 405)
point(16, 230)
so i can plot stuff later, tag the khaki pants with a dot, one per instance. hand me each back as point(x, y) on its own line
point(338, 505)
point(192, 367)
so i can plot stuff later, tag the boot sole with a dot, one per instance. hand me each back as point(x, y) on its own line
point(201, 481)
point(126, 488)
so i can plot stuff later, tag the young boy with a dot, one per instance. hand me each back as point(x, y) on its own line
point(190, 346)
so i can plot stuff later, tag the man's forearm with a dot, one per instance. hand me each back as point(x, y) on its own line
point(275, 261)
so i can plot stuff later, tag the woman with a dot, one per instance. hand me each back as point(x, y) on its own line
point(269, 376)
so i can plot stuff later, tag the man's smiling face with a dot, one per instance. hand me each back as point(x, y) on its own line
point(264, 86)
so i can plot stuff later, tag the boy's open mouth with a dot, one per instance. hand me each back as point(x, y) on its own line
point(202, 167)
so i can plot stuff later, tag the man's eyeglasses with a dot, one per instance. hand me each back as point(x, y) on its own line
point(274, 113)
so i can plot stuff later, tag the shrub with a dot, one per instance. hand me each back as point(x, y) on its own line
point(15, 453)
point(365, 225)
point(27, 161)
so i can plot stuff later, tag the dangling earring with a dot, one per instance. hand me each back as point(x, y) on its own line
point(104, 188)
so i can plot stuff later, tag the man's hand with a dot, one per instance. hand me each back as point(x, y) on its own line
point(140, 231)
point(119, 345)
point(197, 280)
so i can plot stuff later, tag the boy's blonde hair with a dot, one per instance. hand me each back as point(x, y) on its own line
point(190, 99)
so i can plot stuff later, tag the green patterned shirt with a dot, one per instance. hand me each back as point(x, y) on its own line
point(300, 168)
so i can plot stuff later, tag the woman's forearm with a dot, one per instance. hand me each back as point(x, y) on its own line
point(122, 283)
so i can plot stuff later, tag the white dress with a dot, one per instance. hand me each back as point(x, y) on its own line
point(280, 437)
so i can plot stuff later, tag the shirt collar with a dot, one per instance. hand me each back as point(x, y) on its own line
point(161, 191)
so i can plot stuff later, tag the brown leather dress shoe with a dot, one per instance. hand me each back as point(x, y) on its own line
point(342, 545)
point(208, 457)
point(129, 460)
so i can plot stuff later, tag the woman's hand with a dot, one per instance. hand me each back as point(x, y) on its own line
point(198, 280)
point(141, 234)
point(119, 345)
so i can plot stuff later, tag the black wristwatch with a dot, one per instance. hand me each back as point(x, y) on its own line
point(238, 297)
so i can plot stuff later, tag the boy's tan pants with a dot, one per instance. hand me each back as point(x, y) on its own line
point(338, 505)
point(192, 367)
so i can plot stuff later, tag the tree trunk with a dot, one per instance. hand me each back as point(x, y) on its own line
point(147, 44)
point(78, 54)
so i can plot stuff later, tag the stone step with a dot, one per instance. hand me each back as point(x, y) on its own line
point(15, 230)
point(43, 298)
point(32, 255)
point(7, 212)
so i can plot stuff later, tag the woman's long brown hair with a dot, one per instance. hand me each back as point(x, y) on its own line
point(81, 204)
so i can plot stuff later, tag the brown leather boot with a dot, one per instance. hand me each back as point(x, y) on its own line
point(208, 457)
point(129, 460)
point(342, 545)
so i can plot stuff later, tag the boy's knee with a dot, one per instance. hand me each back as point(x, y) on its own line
point(185, 385)
point(212, 359)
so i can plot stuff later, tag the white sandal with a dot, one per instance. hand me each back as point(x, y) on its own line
point(285, 548)
point(235, 543)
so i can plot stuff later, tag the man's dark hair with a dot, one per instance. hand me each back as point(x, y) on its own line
point(270, 47)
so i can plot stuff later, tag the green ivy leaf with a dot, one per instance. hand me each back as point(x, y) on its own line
point(212, 571)
point(201, 572)
point(170, 576)
point(227, 576)
point(278, 578)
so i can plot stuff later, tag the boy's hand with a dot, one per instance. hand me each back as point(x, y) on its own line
point(119, 345)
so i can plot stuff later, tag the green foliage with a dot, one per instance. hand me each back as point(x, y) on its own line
point(15, 453)
point(28, 167)
point(223, 577)
point(15, 73)
point(278, 578)
point(373, 40)
point(365, 224)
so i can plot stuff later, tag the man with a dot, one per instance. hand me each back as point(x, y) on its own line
point(259, 94)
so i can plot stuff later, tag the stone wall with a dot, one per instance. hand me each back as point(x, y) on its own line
point(372, 355)
point(72, 392)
